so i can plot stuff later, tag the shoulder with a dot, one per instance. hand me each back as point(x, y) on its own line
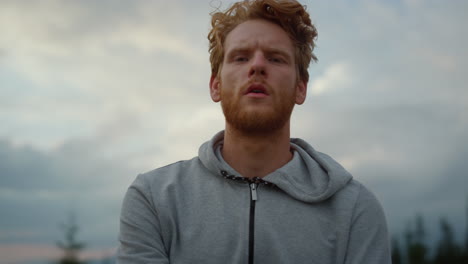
point(365, 203)
point(167, 174)
point(356, 199)
point(368, 235)
point(177, 175)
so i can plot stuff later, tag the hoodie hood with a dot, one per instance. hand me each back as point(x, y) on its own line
point(310, 176)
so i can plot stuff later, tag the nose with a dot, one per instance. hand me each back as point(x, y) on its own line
point(258, 65)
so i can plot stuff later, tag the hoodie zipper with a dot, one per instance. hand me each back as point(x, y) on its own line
point(253, 199)
point(253, 184)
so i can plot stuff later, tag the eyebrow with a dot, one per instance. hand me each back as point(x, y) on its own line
point(266, 50)
point(278, 51)
point(237, 50)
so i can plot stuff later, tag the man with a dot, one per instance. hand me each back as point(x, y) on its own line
point(253, 195)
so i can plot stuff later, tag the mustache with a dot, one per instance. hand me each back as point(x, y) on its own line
point(260, 81)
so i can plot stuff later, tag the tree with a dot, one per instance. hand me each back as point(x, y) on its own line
point(416, 248)
point(465, 249)
point(396, 254)
point(447, 250)
point(70, 246)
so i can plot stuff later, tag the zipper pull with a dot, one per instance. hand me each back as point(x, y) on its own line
point(253, 191)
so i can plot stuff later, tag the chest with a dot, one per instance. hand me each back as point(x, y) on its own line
point(235, 224)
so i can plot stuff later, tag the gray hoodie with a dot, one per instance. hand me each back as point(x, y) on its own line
point(203, 211)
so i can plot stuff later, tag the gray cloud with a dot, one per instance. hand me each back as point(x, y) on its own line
point(39, 189)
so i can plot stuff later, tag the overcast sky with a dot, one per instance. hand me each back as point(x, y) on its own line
point(94, 92)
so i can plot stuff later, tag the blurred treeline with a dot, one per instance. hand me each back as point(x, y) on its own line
point(414, 249)
point(70, 245)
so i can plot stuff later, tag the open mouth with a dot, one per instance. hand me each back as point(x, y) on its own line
point(256, 89)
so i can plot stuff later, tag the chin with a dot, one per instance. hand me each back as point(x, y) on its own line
point(257, 122)
point(257, 118)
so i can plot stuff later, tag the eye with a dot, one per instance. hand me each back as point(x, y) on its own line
point(276, 59)
point(240, 58)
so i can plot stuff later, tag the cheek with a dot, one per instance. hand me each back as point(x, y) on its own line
point(290, 85)
point(229, 81)
point(227, 77)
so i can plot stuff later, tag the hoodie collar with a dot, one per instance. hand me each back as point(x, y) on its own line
point(310, 176)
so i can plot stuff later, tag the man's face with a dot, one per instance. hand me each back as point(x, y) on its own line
point(257, 84)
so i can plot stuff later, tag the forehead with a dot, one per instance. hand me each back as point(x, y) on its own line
point(258, 33)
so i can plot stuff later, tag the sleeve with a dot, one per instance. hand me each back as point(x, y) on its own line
point(140, 238)
point(368, 239)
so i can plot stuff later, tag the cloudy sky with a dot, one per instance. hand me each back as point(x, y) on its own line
point(94, 92)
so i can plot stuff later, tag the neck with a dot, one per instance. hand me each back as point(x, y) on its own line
point(256, 155)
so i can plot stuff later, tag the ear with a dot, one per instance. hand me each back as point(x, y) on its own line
point(215, 91)
point(301, 92)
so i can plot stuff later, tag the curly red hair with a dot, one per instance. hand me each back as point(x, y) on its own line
point(290, 15)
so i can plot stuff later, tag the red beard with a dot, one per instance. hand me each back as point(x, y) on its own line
point(261, 121)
